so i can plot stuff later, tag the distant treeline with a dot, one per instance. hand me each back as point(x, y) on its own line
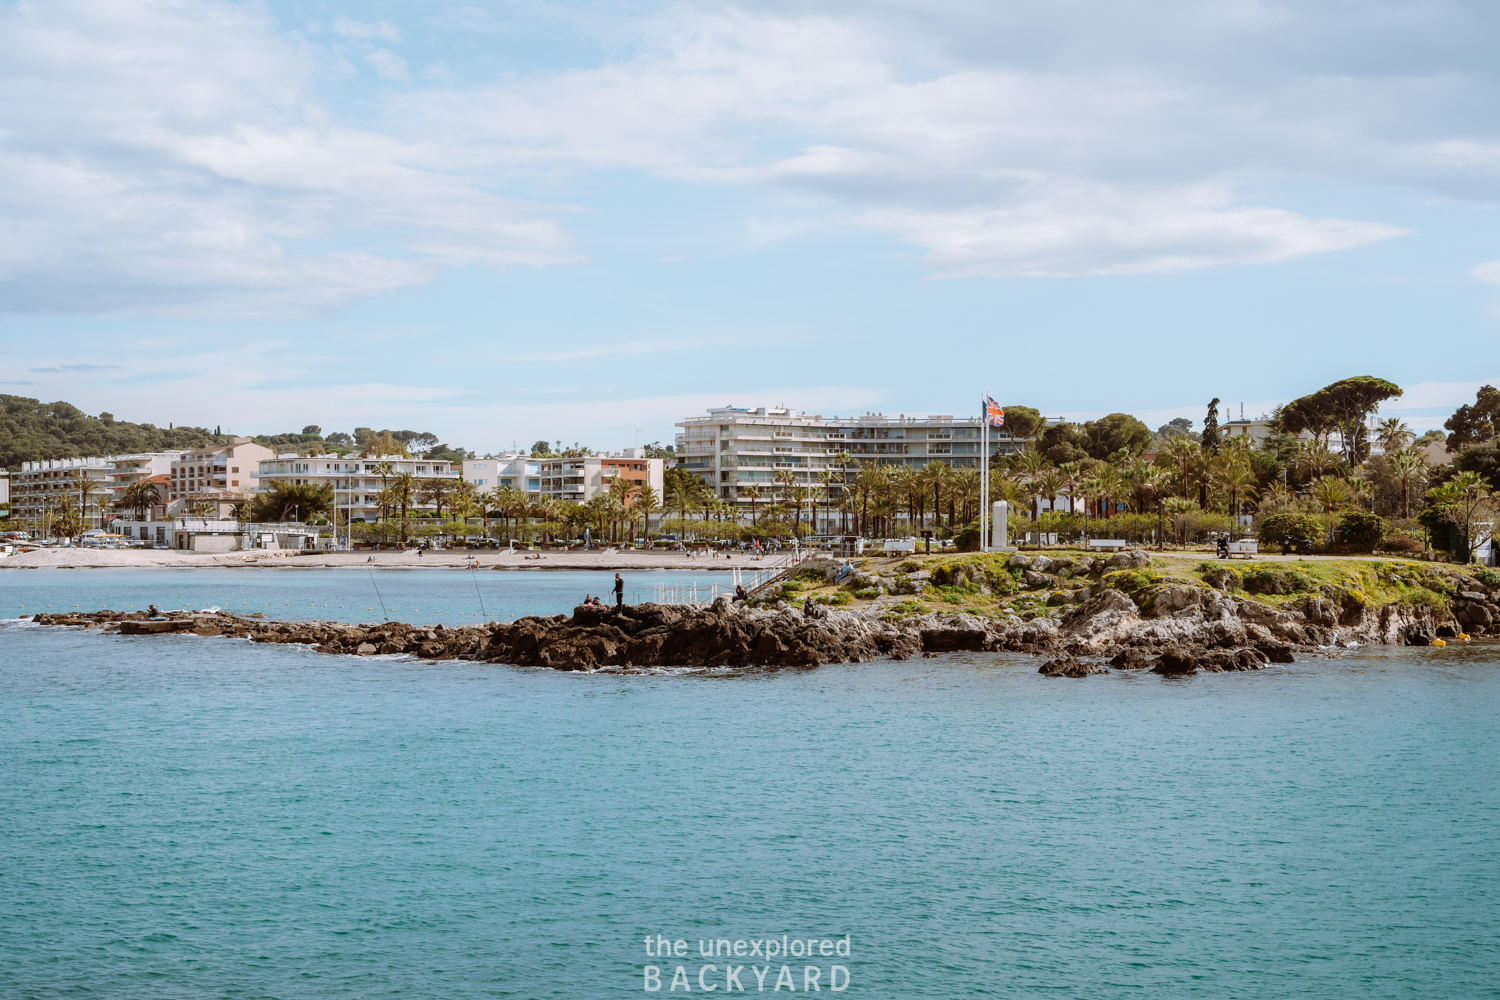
point(32, 431)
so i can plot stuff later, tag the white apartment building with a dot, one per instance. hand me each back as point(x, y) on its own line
point(35, 489)
point(4, 487)
point(356, 482)
point(732, 448)
point(514, 470)
point(582, 479)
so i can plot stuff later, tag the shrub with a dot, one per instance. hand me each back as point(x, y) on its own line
point(1361, 529)
point(967, 539)
point(1220, 577)
point(868, 593)
point(1278, 528)
point(910, 566)
point(842, 597)
point(1488, 577)
point(1265, 580)
point(1402, 543)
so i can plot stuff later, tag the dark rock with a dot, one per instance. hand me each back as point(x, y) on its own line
point(1175, 661)
point(1132, 658)
point(1277, 652)
point(1069, 666)
point(156, 628)
point(948, 640)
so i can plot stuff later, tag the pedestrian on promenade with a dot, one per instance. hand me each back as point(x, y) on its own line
point(619, 593)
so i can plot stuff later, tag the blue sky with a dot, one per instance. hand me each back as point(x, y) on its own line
point(506, 221)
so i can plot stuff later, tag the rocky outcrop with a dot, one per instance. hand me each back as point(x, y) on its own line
point(717, 635)
point(1167, 627)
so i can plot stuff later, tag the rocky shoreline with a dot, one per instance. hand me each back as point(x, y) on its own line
point(1181, 630)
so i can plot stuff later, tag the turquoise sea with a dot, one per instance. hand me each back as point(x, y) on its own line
point(188, 818)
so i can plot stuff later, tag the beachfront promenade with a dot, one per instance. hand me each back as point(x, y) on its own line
point(58, 558)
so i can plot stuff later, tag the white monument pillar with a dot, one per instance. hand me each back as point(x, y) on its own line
point(999, 528)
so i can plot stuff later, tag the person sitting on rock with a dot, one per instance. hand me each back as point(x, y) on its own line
point(152, 611)
point(740, 594)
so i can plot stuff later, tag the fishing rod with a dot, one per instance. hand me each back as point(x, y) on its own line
point(377, 593)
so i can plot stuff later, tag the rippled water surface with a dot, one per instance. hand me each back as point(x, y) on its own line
point(187, 817)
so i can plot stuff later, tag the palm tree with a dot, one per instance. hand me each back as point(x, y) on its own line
point(1331, 493)
point(1409, 469)
point(1393, 435)
point(1110, 485)
point(866, 484)
point(1154, 482)
point(1236, 480)
point(647, 499)
point(1072, 475)
point(965, 487)
point(137, 498)
point(404, 489)
point(436, 491)
point(622, 491)
point(785, 480)
point(1049, 484)
point(86, 486)
point(1184, 454)
point(751, 493)
point(825, 477)
point(938, 476)
point(843, 459)
point(1315, 459)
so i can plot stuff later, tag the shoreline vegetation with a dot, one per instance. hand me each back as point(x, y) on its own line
point(1083, 614)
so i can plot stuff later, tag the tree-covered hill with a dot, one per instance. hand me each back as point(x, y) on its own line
point(31, 430)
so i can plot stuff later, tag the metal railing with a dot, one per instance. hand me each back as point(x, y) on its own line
point(752, 580)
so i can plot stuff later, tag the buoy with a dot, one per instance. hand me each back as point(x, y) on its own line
point(1439, 642)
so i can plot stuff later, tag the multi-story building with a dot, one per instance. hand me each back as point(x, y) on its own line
point(356, 482)
point(39, 488)
point(4, 488)
point(732, 448)
point(513, 470)
point(216, 473)
point(582, 479)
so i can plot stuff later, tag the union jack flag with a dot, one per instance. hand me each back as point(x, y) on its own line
point(993, 414)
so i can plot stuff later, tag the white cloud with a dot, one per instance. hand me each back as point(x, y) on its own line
point(1436, 395)
point(389, 65)
point(1026, 163)
point(176, 158)
point(173, 160)
point(361, 29)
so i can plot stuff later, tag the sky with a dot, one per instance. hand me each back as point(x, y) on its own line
point(583, 222)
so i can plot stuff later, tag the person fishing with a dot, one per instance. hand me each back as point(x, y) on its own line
point(152, 611)
point(619, 593)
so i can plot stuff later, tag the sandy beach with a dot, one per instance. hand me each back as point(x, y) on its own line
point(607, 559)
point(71, 558)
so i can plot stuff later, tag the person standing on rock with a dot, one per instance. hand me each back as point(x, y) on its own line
point(619, 593)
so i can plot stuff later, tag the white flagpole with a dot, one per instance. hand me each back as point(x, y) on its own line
point(984, 474)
